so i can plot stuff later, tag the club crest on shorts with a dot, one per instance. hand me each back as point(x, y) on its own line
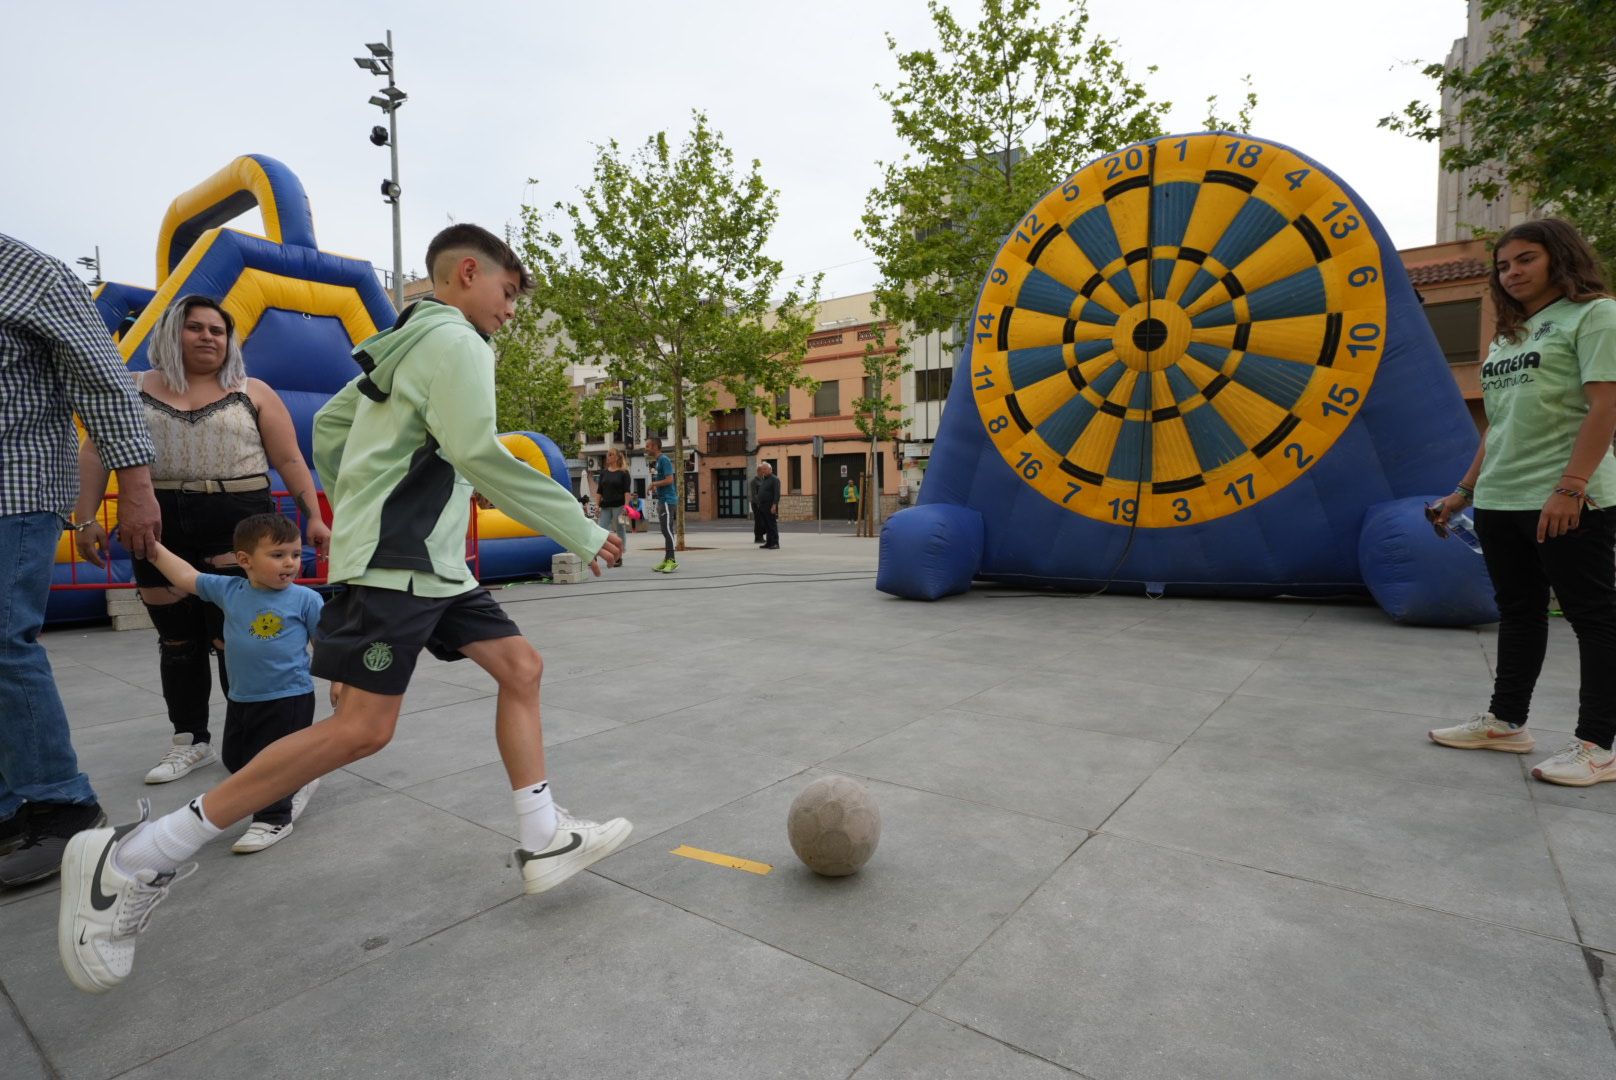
point(379, 657)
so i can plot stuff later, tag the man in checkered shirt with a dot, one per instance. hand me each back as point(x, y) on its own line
point(56, 358)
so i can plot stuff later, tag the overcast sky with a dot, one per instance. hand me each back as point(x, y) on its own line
point(113, 109)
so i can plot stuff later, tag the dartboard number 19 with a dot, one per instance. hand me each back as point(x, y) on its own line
point(1178, 331)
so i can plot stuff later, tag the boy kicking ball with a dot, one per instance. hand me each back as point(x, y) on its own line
point(400, 450)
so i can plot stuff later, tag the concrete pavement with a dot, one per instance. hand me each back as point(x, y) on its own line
point(1122, 838)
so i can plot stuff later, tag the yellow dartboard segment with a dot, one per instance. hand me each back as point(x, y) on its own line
point(1179, 330)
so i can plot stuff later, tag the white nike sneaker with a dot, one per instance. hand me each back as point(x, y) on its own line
point(1484, 731)
point(102, 909)
point(578, 844)
point(300, 801)
point(1579, 764)
point(260, 835)
point(181, 759)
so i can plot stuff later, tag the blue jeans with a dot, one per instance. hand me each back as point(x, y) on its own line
point(37, 763)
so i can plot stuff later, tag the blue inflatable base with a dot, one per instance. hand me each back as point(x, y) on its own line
point(1417, 577)
point(928, 552)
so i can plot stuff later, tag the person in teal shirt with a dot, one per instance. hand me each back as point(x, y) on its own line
point(1544, 486)
point(666, 490)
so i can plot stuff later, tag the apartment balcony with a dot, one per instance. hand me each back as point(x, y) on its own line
point(726, 442)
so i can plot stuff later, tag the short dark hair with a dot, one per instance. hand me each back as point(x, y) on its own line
point(477, 239)
point(252, 531)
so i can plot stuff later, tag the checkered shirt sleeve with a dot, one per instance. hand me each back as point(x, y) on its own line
point(56, 358)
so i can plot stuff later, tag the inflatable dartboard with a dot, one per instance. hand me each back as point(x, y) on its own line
point(1193, 367)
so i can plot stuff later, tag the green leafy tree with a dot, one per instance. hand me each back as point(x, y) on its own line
point(662, 274)
point(534, 389)
point(596, 417)
point(1536, 113)
point(879, 417)
point(993, 118)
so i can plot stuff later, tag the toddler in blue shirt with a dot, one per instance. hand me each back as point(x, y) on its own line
point(267, 623)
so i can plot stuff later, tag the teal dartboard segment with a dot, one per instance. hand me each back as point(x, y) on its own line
point(1255, 225)
point(1279, 381)
point(1300, 294)
point(1214, 440)
point(1084, 351)
point(1170, 209)
point(1141, 394)
point(1131, 458)
point(1198, 285)
point(1028, 366)
point(1107, 380)
point(1094, 313)
point(1095, 237)
point(1061, 429)
point(1040, 292)
point(1183, 389)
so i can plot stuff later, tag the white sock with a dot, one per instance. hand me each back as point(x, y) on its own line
point(535, 816)
point(166, 842)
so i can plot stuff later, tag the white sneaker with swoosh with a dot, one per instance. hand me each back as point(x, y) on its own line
point(578, 844)
point(102, 909)
point(1579, 764)
point(1484, 731)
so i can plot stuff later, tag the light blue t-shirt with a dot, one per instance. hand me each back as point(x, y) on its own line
point(664, 469)
point(266, 635)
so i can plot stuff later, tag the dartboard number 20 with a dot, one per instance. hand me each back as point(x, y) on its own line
point(1178, 331)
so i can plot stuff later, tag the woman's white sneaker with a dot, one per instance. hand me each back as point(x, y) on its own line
point(1579, 764)
point(300, 801)
point(183, 757)
point(104, 910)
point(578, 844)
point(1485, 731)
point(260, 835)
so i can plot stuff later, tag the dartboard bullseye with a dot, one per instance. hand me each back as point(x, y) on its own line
point(1178, 331)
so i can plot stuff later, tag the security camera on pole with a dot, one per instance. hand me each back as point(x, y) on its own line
point(380, 62)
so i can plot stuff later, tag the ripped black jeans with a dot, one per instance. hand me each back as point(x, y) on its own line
point(197, 527)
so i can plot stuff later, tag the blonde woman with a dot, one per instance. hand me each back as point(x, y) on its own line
point(611, 490)
point(217, 433)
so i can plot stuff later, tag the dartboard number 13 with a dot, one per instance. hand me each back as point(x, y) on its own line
point(1179, 330)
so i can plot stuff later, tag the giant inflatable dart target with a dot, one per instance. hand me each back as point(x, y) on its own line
point(1193, 368)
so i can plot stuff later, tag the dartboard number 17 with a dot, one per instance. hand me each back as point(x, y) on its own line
point(1179, 330)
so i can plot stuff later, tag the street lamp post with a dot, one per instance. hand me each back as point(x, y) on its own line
point(381, 62)
point(92, 263)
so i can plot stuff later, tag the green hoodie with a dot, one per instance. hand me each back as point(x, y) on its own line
point(400, 449)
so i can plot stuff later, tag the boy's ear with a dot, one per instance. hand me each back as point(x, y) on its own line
point(243, 559)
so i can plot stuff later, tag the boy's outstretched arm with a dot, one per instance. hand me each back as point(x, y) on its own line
point(180, 574)
point(459, 410)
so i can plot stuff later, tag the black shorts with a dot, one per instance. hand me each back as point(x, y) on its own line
point(370, 637)
point(197, 526)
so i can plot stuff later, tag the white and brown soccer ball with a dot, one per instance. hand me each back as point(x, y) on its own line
point(834, 826)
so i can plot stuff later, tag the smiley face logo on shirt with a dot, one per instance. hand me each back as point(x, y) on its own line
point(267, 624)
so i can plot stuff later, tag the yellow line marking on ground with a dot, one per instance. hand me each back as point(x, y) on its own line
point(718, 859)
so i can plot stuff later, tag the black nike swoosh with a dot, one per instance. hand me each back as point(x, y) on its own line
point(98, 899)
point(523, 856)
point(81, 938)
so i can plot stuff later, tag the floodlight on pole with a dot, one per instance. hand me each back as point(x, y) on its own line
point(388, 100)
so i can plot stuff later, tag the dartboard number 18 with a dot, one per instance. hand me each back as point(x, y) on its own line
point(1179, 330)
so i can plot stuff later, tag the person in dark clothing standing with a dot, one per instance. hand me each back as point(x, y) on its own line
point(611, 492)
point(752, 497)
point(767, 505)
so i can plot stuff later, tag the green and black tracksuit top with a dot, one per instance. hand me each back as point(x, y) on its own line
point(400, 449)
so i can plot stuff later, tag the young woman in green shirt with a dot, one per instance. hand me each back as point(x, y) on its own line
point(1544, 486)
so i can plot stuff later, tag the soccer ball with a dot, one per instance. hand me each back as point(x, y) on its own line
point(834, 826)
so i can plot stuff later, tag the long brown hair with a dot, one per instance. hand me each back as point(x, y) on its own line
point(1573, 269)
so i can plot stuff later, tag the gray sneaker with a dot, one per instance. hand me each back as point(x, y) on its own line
point(47, 827)
point(12, 831)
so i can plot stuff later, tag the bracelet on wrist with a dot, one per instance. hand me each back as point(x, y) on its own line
point(1571, 493)
point(1570, 476)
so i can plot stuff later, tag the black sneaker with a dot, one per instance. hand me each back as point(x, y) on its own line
point(47, 827)
point(11, 830)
